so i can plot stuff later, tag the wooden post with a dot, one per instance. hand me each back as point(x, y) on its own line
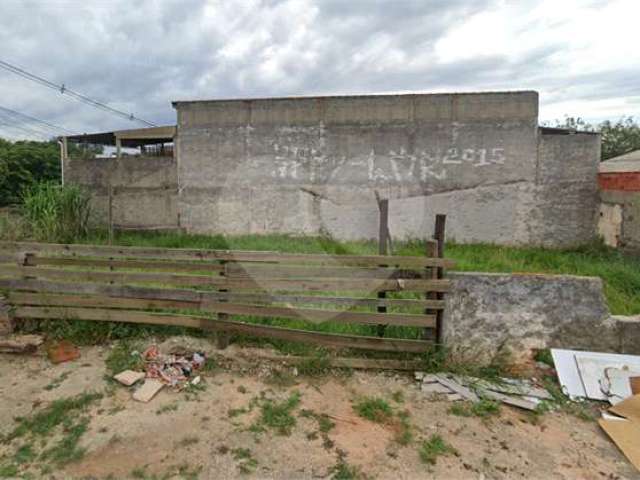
point(439, 237)
point(383, 235)
point(431, 251)
point(6, 320)
point(222, 337)
point(110, 213)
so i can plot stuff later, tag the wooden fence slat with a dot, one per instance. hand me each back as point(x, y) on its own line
point(122, 277)
point(227, 255)
point(326, 339)
point(260, 270)
point(307, 314)
point(312, 285)
point(193, 296)
point(36, 260)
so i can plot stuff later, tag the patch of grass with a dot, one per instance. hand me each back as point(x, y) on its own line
point(280, 378)
point(374, 409)
point(278, 415)
point(325, 424)
point(67, 450)
point(8, 470)
point(171, 407)
point(124, 355)
point(56, 382)
point(544, 356)
point(464, 361)
point(246, 463)
point(403, 431)
point(24, 454)
point(188, 441)
point(343, 471)
point(483, 408)
point(43, 422)
point(433, 448)
point(314, 365)
point(398, 396)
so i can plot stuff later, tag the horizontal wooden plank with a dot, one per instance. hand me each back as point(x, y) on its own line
point(36, 260)
point(265, 270)
point(121, 277)
point(127, 316)
point(338, 362)
point(291, 285)
point(306, 314)
point(130, 291)
point(226, 255)
point(83, 300)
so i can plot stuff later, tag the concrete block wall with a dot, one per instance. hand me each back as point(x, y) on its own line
point(317, 165)
point(145, 189)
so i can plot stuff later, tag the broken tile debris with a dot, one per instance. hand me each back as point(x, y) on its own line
point(519, 393)
point(148, 390)
point(129, 377)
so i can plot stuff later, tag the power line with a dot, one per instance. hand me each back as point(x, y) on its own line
point(25, 117)
point(24, 129)
point(67, 91)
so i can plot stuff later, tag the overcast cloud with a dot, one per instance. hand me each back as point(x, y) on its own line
point(138, 56)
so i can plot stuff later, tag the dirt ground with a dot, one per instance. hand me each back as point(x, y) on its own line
point(207, 434)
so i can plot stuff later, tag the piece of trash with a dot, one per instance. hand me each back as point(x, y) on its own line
point(457, 388)
point(173, 369)
point(20, 343)
point(592, 374)
point(62, 351)
point(608, 416)
point(626, 435)
point(129, 377)
point(196, 380)
point(148, 390)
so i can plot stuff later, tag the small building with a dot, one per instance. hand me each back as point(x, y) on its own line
point(131, 174)
point(619, 181)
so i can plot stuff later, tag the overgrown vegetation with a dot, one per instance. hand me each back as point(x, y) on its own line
point(124, 355)
point(378, 410)
point(56, 213)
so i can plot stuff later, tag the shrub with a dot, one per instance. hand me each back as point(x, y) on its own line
point(56, 213)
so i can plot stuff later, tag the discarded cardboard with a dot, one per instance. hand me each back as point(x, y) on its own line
point(129, 377)
point(629, 408)
point(148, 390)
point(626, 435)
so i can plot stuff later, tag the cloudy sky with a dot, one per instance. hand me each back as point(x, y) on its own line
point(137, 56)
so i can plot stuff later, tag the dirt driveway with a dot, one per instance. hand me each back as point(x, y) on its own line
point(251, 420)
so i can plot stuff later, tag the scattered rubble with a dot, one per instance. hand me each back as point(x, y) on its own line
point(519, 393)
point(175, 370)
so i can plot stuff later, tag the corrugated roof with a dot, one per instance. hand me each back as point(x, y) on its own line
point(629, 162)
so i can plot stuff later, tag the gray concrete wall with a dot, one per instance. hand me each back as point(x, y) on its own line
point(489, 311)
point(619, 218)
point(145, 189)
point(316, 165)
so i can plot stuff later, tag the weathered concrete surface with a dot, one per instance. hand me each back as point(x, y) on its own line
point(619, 220)
point(316, 165)
point(489, 311)
point(145, 189)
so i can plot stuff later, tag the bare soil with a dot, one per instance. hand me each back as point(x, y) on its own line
point(197, 435)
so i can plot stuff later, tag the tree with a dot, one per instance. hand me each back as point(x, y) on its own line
point(25, 163)
point(618, 138)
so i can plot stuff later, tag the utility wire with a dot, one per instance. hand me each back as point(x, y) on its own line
point(25, 117)
point(24, 129)
point(67, 91)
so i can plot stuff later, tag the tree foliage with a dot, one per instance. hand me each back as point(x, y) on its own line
point(618, 138)
point(24, 164)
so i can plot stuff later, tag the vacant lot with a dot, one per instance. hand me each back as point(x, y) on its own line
point(251, 419)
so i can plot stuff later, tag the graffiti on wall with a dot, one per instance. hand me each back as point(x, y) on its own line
point(309, 164)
